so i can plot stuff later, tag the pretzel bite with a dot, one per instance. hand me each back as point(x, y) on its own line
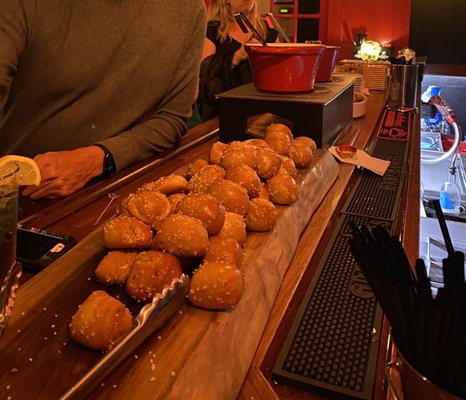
point(205, 208)
point(151, 272)
point(264, 192)
point(225, 250)
point(234, 227)
point(283, 189)
point(182, 236)
point(257, 142)
point(125, 232)
point(148, 206)
point(204, 177)
point(300, 153)
point(114, 267)
point(232, 195)
point(277, 130)
point(216, 152)
point(168, 185)
point(196, 166)
point(216, 286)
point(100, 321)
point(246, 177)
point(174, 199)
point(239, 153)
point(310, 142)
point(279, 137)
point(268, 162)
point(288, 167)
point(261, 216)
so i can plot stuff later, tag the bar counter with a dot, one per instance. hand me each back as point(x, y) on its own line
point(152, 372)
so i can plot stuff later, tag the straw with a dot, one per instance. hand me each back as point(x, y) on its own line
point(443, 227)
point(430, 333)
point(423, 309)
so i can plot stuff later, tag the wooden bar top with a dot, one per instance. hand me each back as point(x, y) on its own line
point(179, 361)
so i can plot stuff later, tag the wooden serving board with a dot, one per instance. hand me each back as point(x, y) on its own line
point(198, 354)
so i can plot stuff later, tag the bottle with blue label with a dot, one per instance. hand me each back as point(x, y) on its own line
point(450, 194)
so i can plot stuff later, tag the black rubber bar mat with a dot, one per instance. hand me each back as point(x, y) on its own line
point(333, 342)
point(396, 125)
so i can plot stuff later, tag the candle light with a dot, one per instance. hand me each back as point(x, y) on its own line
point(370, 50)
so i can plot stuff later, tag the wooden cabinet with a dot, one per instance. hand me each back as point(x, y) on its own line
point(301, 19)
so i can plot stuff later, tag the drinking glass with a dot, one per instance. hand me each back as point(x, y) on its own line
point(10, 270)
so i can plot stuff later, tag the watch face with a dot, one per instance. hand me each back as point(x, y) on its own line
point(109, 164)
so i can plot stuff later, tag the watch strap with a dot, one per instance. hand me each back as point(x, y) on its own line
point(109, 166)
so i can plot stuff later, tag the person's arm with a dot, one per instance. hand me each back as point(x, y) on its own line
point(238, 56)
point(167, 124)
point(65, 172)
point(13, 36)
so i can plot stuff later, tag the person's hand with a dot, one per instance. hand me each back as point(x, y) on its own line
point(238, 56)
point(65, 172)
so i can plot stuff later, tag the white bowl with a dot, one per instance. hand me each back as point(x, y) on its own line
point(359, 105)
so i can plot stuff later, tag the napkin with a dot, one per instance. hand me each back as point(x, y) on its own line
point(362, 159)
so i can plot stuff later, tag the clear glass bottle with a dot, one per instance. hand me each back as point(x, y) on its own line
point(450, 194)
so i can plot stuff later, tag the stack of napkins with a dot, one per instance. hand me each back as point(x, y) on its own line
point(362, 159)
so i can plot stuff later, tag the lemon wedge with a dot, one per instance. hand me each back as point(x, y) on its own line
point(28, 170)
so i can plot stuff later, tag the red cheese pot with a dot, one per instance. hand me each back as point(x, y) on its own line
point(327, 64)
point(284, 67)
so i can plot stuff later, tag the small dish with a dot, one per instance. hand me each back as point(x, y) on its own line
point(359, 104)
point(346, 151)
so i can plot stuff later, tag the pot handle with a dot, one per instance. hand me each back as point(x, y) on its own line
point(389, 367)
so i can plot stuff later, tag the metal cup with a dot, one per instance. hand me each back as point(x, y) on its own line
point(10, 270)
point(403, 87)
point(413, 384)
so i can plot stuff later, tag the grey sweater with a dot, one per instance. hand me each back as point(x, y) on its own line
point(118, 72)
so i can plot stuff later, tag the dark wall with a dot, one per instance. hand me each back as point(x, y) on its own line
point(438, 30)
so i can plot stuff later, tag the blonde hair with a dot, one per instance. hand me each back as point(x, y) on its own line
point(220, 10)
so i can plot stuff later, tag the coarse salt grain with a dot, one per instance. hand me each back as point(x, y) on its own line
point(172, 373)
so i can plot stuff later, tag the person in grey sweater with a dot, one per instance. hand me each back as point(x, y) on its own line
point(92, 86)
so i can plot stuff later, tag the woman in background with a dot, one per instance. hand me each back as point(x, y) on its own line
point(225, 63)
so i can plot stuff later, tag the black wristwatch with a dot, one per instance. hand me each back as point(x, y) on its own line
point(109, 162)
